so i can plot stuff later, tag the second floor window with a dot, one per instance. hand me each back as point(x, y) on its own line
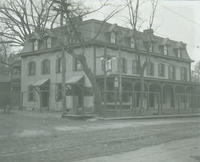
point(122, 65)
point(45, 67)
point(135, 67)
point(183, 73)
point(77, 66)
point(150, 69)
point(172, 72)
point(31, 68)
point(161, 70)
point(59, 65)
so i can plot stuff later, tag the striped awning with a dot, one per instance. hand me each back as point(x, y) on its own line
point(40, 82)
point(74, 79)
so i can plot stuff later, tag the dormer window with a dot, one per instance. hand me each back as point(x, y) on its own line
point(48, 42)
point(177, 52)
point(150, 47)
point(132, 43)
point(35, 45)
point(113, 37)
point(165, 50)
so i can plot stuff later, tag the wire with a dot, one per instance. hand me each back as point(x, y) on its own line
point(182, 16)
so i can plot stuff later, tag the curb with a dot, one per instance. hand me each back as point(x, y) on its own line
point(151, 117)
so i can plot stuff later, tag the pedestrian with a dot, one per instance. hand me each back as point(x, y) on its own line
point(6, 104)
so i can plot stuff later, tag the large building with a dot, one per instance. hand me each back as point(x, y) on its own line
point(114, 58)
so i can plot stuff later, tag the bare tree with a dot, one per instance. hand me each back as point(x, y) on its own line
point(133, 9)
point(20, 18)
point(71, 14)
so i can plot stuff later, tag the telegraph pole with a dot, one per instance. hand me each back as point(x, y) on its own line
point(63, 62)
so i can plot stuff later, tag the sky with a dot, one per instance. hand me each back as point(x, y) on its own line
point(175, 19)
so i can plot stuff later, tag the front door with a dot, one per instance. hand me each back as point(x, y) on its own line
point(44, 100)
point(78, 99)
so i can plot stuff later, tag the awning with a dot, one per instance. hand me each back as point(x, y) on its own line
point(74, 79)
point(40, 82)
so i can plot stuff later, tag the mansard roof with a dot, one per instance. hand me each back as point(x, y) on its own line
point(100, 29)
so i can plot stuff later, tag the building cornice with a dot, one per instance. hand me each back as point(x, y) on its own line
point(111, 46)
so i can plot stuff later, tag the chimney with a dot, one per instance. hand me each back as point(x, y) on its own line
point(148, 31)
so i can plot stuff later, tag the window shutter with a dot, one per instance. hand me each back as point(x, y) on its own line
point(159, 69)
point(74, 64)
point(57, 68)
point(125, 65)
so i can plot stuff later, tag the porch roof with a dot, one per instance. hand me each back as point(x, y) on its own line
point(74, 79)
point(40, 82)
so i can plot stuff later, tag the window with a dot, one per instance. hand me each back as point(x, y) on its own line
point(48, 41)
point(35, 45)
point(77, 65)
point(164, 50)
point(183, 74)
point(135, 67)
point(172, 72)
point(178, 52)
point(123, 65)
point(58, 92)
point(45, 67)
point(113, 37)
point(31, 68)
point(59, 65)
point(132, 43)
point(161, 70)
point(31, 95)
point(150, 69)
point(148, 46)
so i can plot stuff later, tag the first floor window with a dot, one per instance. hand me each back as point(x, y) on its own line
point(77, 66)
point(161, 70)
point(31, 94)
point(58, 92)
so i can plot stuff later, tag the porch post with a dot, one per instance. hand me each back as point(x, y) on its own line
point(161, 98)
point(148, 85)
point(133, 95)
point(174, 97)
point(185, 98)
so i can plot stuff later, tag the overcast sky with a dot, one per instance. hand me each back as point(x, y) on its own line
point(176, 19)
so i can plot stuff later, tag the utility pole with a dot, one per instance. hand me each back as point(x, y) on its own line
point(63, 62)
point(105, 81)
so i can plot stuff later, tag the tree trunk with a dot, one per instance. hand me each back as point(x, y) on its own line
point(95, 88)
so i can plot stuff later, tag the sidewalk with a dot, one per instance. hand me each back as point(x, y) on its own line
point(186, 150)
point(151, 117)
point(38, 114)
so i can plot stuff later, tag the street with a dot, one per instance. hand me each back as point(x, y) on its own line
point(26, 137)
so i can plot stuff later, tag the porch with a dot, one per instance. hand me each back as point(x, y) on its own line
point(158, 97)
